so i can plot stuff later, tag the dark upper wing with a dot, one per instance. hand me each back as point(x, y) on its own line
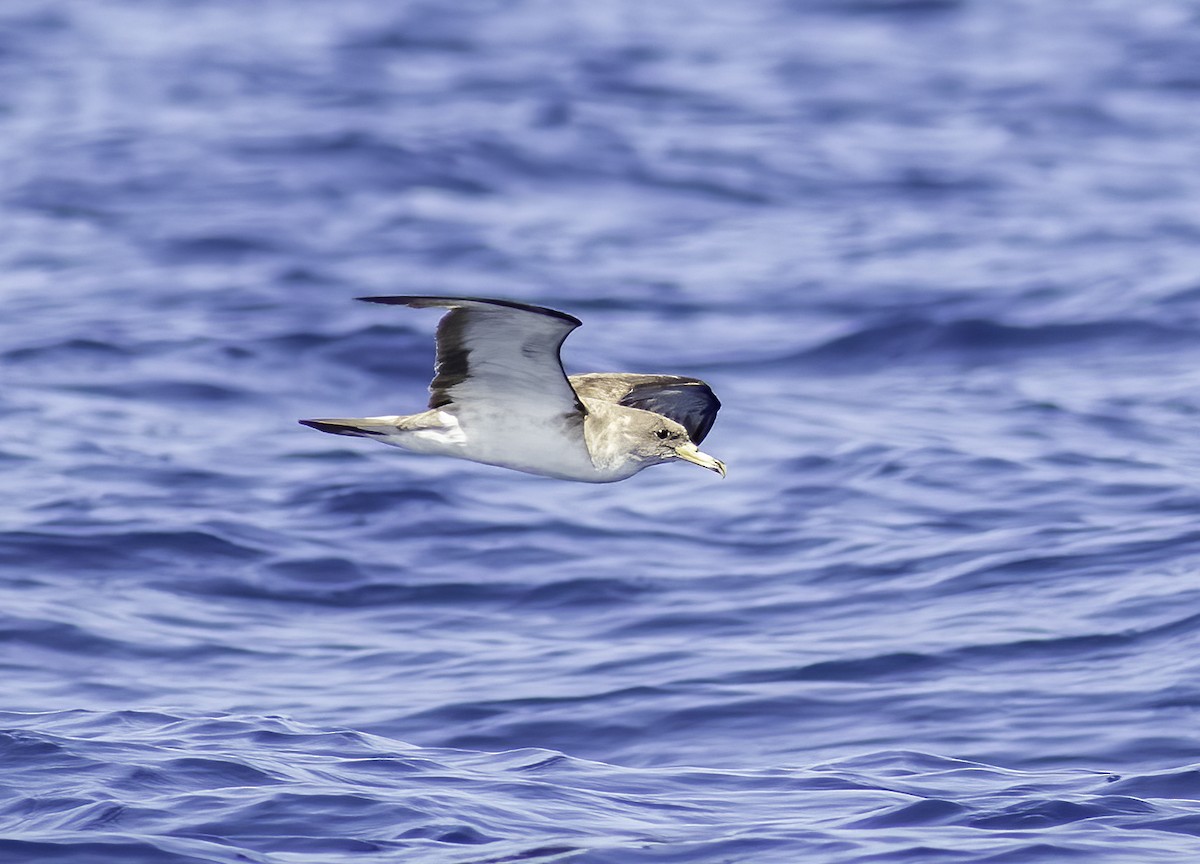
point(688, 401)
point(491, 350)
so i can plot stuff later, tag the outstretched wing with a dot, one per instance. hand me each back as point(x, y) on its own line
point(492, 352)
point(688, 401)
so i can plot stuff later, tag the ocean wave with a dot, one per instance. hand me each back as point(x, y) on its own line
point(979, 341)
point(264, 787)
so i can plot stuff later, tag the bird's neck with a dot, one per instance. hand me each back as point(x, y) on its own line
point(606, 429)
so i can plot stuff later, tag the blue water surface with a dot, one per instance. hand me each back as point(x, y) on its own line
point(939, 258)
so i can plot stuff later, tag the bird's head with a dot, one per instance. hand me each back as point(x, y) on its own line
point(665, 440)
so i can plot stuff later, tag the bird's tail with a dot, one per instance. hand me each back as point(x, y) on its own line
point(360, 427)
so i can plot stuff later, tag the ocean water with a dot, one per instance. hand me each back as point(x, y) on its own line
point(939, 258)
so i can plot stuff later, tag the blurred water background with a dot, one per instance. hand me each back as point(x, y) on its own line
point(939, 258)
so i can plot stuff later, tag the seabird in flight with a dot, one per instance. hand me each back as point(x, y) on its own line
point(500, 396)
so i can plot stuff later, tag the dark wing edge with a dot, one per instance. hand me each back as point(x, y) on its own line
point(688, 401)
point(422, 301)
point(452, 366)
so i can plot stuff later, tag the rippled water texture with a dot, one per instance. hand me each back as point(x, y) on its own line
point(939, 260)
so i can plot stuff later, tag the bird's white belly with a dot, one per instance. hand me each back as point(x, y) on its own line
point(548, 446)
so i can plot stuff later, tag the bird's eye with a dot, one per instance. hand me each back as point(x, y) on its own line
point(663, 434)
